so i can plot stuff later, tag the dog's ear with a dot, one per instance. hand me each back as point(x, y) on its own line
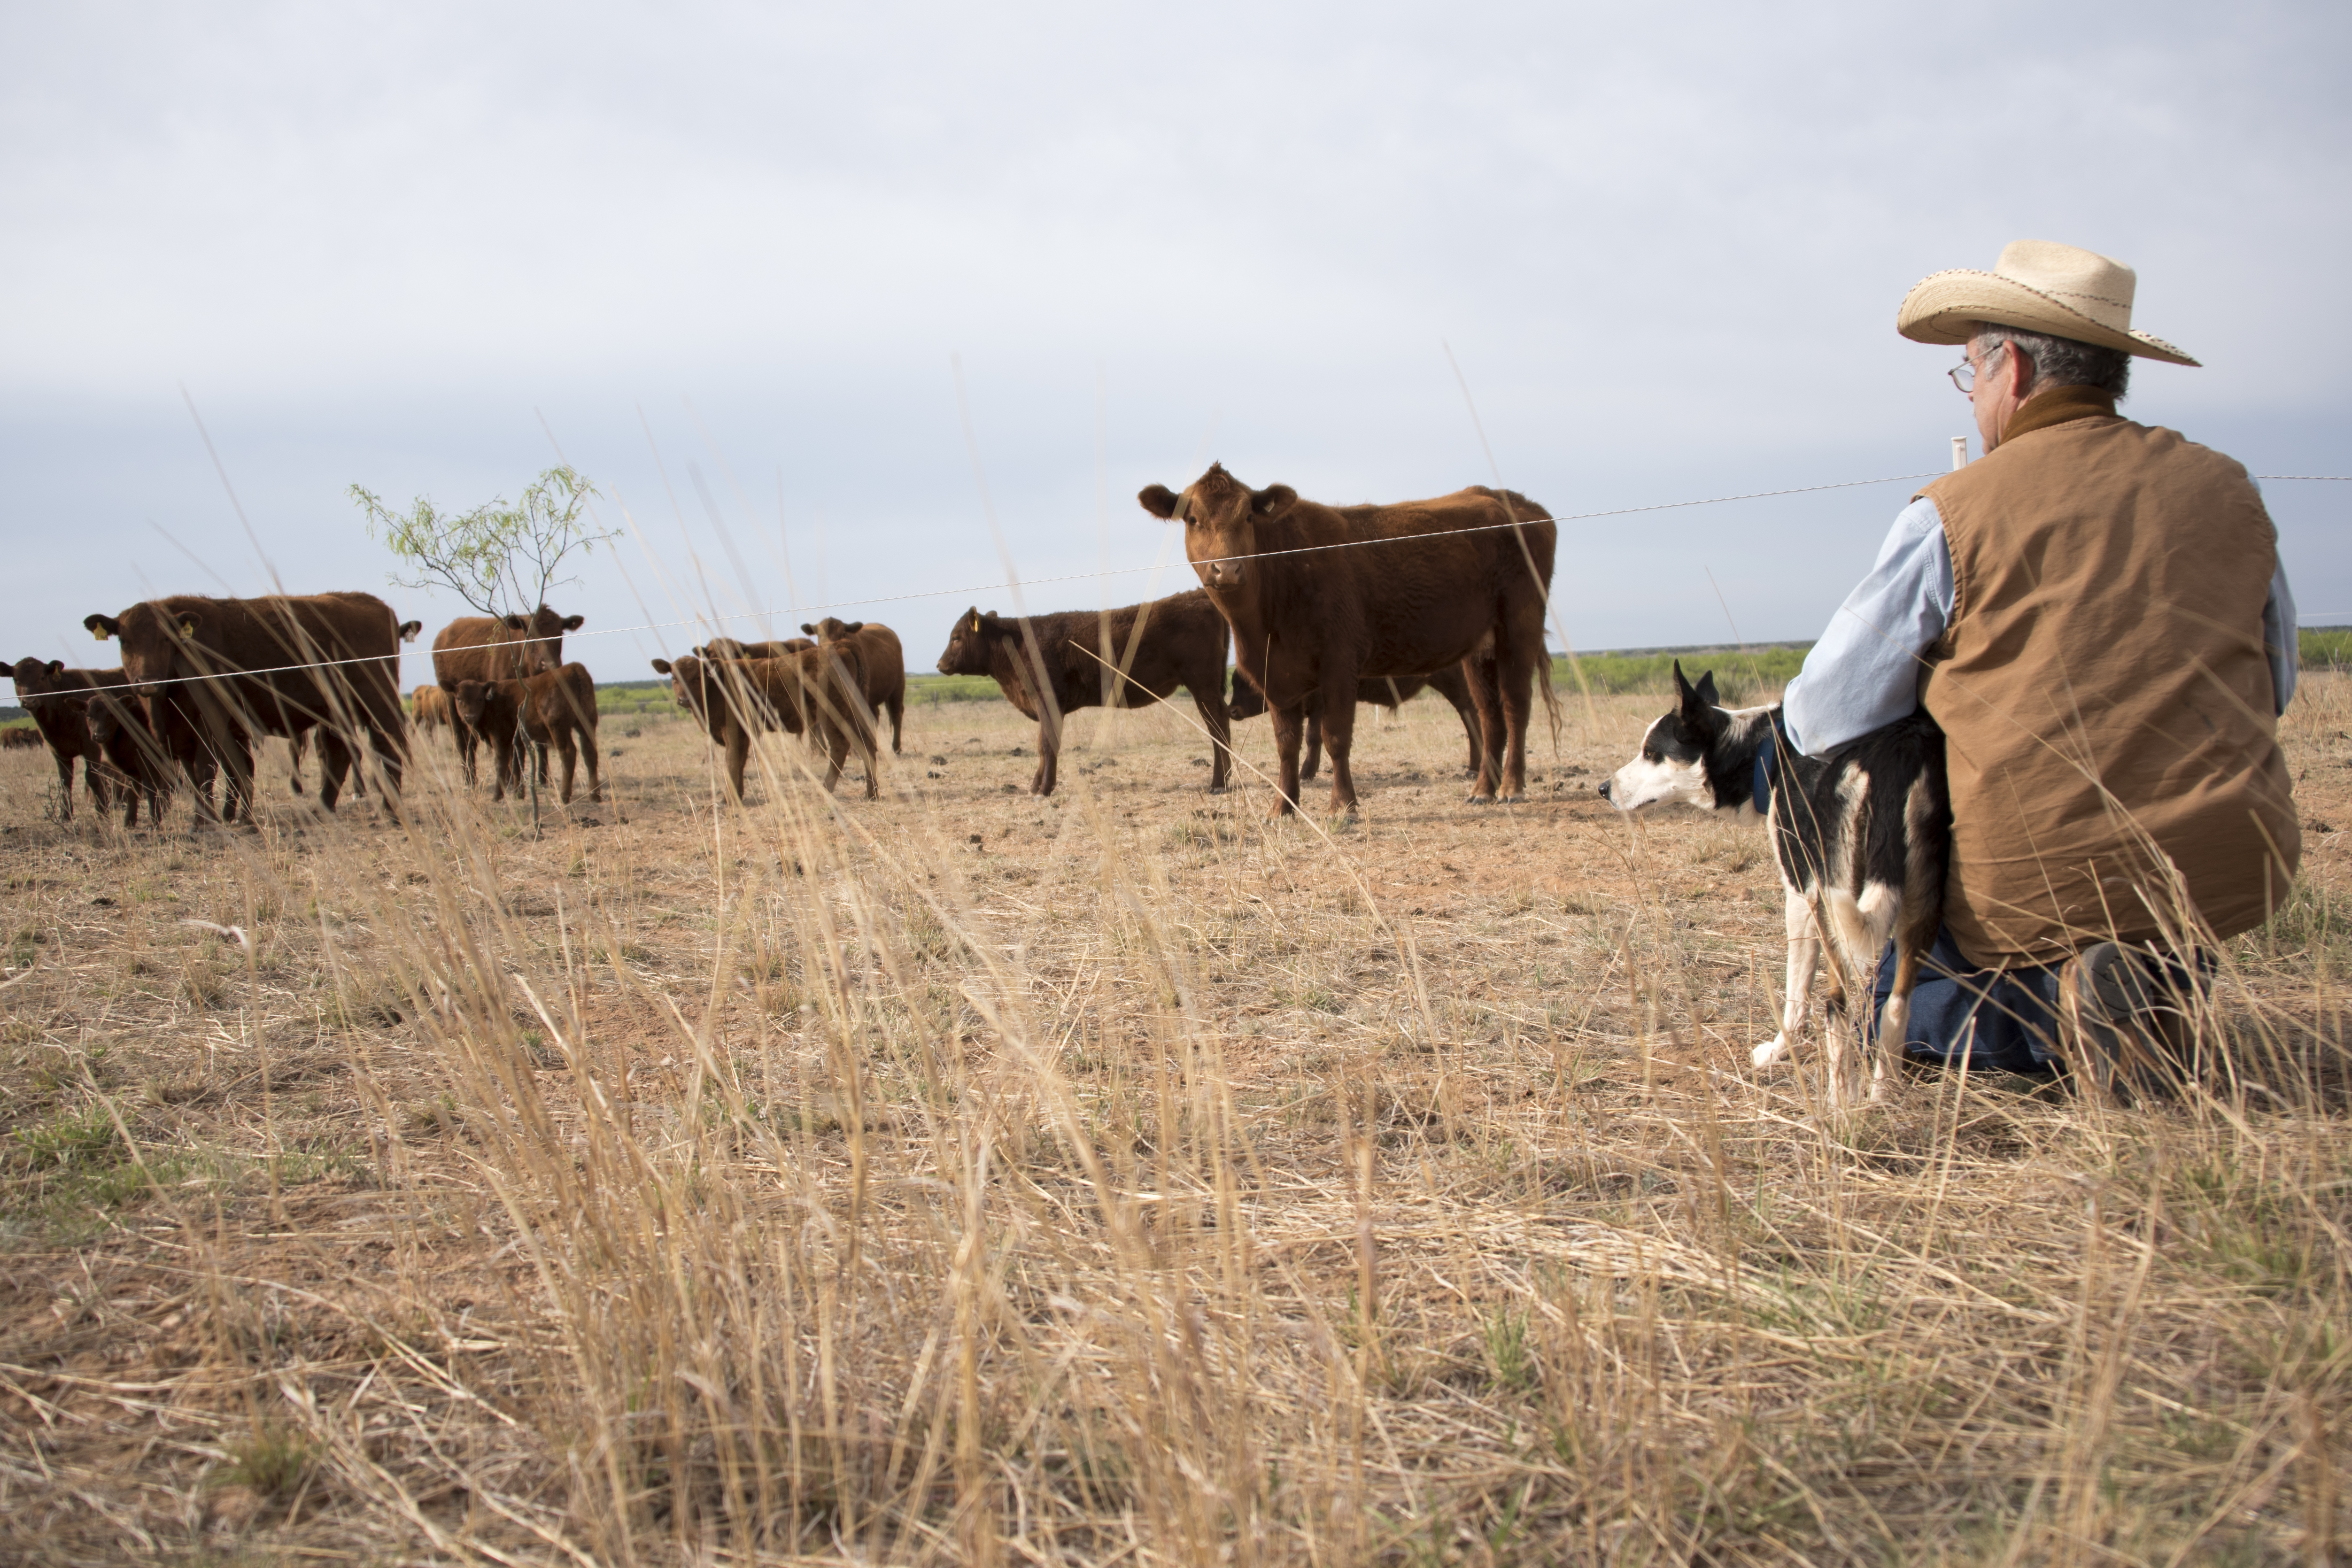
point(1706, 691)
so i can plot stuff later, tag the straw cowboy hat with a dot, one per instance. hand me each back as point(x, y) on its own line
point(2039, 287)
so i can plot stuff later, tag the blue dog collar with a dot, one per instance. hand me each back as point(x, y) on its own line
point(1767, 765)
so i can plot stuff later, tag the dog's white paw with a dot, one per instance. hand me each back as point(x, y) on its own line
point(1770, 1051)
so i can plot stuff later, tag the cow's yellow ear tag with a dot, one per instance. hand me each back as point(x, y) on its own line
point(97, 633)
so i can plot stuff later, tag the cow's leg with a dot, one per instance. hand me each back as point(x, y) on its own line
point(1486, 697)
point(238, 789)
point(1339, 740)
point(588, 748)
point(1314, 763)
point(1804, 958)
point(1289, 729)
point(1514, 673)
point(466, 739)
point(739, 752)
point(1049, 750)
point(897, 705)
point(94, 779)
point(295, 744)
point(836, 753)
point(65, 760)
point(1473, 739)
point(334, 763)
point(566, 748)
point(1221, 738)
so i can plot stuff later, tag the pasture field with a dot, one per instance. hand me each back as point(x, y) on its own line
point(1118, 1179)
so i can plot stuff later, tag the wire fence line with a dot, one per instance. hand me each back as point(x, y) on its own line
point(1009, 585)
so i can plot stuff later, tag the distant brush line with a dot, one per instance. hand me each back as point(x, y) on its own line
point(1132, 570)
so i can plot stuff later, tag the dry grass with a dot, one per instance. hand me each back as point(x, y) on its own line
point(1119, 1179)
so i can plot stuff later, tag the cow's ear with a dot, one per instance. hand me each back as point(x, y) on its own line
point(573, 623)
point(57, 668)
point(410, 629)
point(662, 666)
point(188, 623)
point(102, 626)
point(991, 620)
point(852, 628)
point(808, 628)
point(513, 622)
point(1159, 500)
point(1274, 499)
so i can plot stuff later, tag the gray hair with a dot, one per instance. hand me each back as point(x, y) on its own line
point(2063, 361)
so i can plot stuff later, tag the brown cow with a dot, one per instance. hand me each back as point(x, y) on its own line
point(345, 653)
point(56, 697)
point(1181, 643)
point(428, 708)
point(1426, 583)
point(488, 710)
point(818, 690)
point(1390, 692)
point(25, 736)
point(885, 662)
point(558, 708)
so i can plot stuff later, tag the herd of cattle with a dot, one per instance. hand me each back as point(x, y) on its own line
point(1324, 607)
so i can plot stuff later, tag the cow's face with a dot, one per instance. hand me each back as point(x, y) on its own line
point(969, 650)
point(1221, 515)
point(684, 683)
point(151, 639)
point(831, 631)
point(473, 701)
point(541, 635)
point(36, 678)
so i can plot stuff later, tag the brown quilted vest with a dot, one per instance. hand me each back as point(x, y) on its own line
point(2104, 689)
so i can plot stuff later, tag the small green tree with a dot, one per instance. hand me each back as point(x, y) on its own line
point(500, 559)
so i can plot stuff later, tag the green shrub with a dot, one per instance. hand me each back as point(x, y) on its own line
point(1741, 674)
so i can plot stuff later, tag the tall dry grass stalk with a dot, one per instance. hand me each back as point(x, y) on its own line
point(966, 1178)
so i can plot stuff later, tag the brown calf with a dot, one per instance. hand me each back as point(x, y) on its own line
point(488, 710)
point(215, 674)
point(819, 691)
point(24, 736)
point(558, 708)
point(117, 727)
point(1409, 589)
point(1077, 660)
point(56, 697)
point(884, 660)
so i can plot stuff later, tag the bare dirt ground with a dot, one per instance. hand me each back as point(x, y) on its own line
point(1116, 1178)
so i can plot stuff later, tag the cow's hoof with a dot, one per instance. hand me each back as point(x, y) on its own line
point(1512, 800)
point(1217, 788)
point(1478, 800)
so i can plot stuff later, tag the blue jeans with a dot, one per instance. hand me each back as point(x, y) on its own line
point(2001, 1021)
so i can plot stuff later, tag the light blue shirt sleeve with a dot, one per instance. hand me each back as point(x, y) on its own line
point(1864, 671)
point(2280, 640)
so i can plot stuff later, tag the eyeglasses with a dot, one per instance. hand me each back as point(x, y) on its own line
point(1964, 374)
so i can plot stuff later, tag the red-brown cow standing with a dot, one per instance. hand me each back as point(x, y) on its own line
point(884, 663)
point(1424, 583)
point(218, 673)
point(56, 698)
point(820, 690)
point(1168, 642)
point(1390, 692)
point(428, 708)
point(558, 708)
point(497, 648)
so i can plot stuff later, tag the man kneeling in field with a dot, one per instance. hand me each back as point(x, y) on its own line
point(2095, 615)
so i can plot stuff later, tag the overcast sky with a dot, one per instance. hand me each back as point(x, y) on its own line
point(724, 258)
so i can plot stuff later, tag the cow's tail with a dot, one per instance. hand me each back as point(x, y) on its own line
point(1550, 697)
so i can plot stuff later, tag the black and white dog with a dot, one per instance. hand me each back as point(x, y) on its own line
point(1861, 835)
